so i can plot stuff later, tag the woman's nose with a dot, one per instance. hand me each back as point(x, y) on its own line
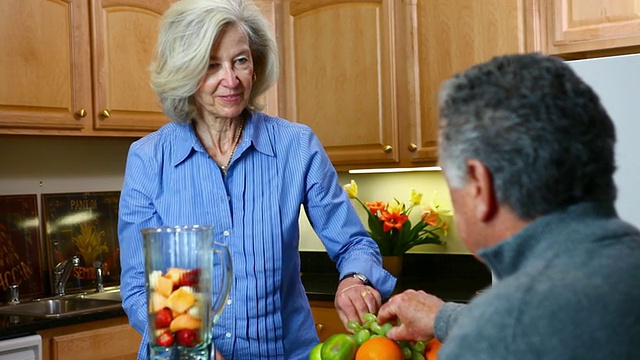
point(229, 77)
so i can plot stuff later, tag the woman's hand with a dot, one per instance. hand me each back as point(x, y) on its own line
point(354, 299)
point(218, 355)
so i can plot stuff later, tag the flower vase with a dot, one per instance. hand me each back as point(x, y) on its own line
point(393, 264)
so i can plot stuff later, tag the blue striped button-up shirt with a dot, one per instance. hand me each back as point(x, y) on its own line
point(278, 167)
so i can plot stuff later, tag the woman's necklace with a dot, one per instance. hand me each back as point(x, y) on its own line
point(224, 168)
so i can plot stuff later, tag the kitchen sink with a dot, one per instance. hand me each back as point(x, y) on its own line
point(112, 294)
point(61, 307)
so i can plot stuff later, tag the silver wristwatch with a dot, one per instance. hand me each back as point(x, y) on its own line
point(359, 277)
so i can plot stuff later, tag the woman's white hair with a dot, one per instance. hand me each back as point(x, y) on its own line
point(188, 30)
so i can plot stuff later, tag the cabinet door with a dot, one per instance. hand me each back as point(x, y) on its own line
point(45, 69)
point(269, 9)
point(448, 37)
point(108, 339)
point(569, 26)
point(338, 76)
point(118, 342)
point(125, 34)
point(326, 319)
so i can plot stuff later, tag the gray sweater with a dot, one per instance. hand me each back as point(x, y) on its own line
point(568, 288)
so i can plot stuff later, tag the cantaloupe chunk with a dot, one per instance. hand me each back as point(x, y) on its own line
point(163, 286)
point(174, 274)
point(158, 301)
point(181, 300)
point(185, 321)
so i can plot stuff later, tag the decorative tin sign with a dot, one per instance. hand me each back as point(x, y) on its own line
point(20, 246)
point(83, 225)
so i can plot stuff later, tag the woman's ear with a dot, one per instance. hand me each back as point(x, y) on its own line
point(483, 195)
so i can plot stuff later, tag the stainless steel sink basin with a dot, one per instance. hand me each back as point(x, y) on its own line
point(60, 307)
point(112, 294)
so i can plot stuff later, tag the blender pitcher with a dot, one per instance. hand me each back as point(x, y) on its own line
point(188, 283)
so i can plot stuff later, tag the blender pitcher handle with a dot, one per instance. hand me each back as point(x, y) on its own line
point(220, 301)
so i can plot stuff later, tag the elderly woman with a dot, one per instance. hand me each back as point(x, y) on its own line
point(221, 162)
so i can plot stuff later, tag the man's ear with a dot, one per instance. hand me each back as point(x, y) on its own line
point(483, 194)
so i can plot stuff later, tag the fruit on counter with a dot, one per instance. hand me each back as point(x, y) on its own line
point(315, 353)
point(431, 352)
point(165, 338)
point(339, 347)
point(371, 343)
point(379, 348)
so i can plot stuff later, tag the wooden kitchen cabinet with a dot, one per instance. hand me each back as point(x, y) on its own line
point(326, 319)
point(365, 74)
point(78, 67)
point(111, 339)
point(563, 27)
point(444, 38)
point(339, 76)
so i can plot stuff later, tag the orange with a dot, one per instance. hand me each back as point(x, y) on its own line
point(432, 349)
point(379, 348)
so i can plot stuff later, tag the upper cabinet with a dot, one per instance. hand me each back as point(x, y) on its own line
point(443, 38)
point(78, 67)
point(339, 76)
point(562, 27)
point(364, 74)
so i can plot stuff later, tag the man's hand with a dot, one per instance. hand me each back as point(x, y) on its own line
point(354, 299)
point(415, 313)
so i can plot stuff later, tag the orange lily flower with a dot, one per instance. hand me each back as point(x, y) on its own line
point(392, 220)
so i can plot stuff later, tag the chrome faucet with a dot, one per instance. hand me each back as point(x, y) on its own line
point(99, 284)
point(62, 271)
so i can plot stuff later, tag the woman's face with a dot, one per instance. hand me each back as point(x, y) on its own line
point(224, 90)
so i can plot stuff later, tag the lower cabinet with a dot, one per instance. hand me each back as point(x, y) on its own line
point(326, 319)
point(110, 339)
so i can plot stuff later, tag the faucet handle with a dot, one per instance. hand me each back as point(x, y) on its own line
point(14, 294)
point(99, 282)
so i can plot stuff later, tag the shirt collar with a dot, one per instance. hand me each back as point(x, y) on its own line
point(255, 134)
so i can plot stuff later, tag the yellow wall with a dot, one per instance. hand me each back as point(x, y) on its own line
point(386, 187)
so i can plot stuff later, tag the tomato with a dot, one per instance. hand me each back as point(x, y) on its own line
point(315, 352)
point(339, 347)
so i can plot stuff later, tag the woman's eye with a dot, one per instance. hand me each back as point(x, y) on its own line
point(242, 63)
point(213, 66)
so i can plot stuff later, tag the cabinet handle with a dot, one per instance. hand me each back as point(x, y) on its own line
point(105, 113)
point(320, 327)
point(81, 113)
point(412, 147)
point(387, 148)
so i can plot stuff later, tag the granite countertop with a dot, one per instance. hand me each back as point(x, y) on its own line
point(454, 278)
point(450, 277)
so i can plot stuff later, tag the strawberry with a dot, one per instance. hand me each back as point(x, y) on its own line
point(187, 337)
point(165, 338)
point(189, 278)
point(163, 318)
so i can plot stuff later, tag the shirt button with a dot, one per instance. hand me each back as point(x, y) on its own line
point(226, 233)
point(227, 335)
point(228, 198)
point(229, 302)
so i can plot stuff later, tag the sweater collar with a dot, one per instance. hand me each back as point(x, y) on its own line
point(545, 236)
